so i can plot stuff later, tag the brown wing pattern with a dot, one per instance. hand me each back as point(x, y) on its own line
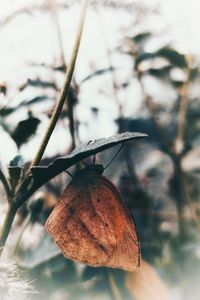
point(79, 227)
point(91, 225)
point(127, 252)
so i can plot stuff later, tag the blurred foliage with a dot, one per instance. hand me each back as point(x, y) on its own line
point(158, 179)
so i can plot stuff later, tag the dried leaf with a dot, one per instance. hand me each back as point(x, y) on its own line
point(145, 284)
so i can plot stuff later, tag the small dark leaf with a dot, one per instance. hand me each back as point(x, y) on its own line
point(173, 56)
point(6, 111)
point(25, 129)
point(160, 72)
point(36, 100)
point(17, 161)
point(15, 170)
point(3, 88)
point(177, 83)
point(141, 37)
point(97, 73)
point(44, 174)
point(38, 83)
point(194, 74)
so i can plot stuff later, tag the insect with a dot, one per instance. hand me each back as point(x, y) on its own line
point(91, 224)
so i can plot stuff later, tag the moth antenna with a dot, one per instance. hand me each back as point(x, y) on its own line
point(114, 156)
point(68, 173)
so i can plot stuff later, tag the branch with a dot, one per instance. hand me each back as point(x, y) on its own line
point(65, 90)
point(180, 139)
point(6, 185)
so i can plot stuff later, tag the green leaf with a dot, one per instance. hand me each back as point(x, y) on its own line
point(15, 170)
point(4, 112)
point(43, 174)
point(141, 37)
point(160, 72)
point(25, 129)
point(173, 56)
point(17, 161)
point(98, 73)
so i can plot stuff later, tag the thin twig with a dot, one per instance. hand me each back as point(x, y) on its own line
point(6, 185)
point(24, 186)
point(7, 226)
point(114, 288)
point(24, 225)
point(180, 139)
point(54, 12)
point(69, 103)
point(65, 90)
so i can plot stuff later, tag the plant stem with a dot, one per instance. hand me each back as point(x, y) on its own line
point(6, 185)
point(25, 224)
point(13, 207)
point(180, 139)
point(7, 225)
point(65, 90)
point(114, 288)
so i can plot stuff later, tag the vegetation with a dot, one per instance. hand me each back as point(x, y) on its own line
point(157, 176)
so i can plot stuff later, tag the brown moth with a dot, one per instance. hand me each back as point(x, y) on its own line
point(91, 224)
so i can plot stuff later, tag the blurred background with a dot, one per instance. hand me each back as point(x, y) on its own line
point(137, 70)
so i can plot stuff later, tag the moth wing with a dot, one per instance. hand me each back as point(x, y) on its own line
point(81, 224)
point(127, 251)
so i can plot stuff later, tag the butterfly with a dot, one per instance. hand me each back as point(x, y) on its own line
point(92, 225)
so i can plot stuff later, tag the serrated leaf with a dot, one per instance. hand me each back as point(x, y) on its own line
point(43, 174)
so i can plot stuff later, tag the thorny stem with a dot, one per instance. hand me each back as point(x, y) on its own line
point(14, 207)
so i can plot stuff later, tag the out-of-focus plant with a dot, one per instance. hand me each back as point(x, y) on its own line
point(173, 128)
point(23, 181)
